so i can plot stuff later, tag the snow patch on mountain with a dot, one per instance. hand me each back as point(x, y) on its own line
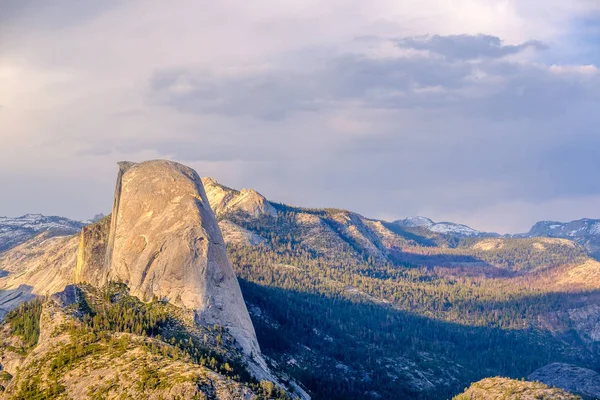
point(448, 228)
point(578, 228)
point(14, 231)
point(451, 228)
point(584, 231)
point(413, 222)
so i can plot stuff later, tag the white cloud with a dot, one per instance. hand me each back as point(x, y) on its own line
point(299, 99)
point(583, 70)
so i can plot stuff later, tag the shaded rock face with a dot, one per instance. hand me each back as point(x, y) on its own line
point(569, 377)
point(91, 254)
point(586, 321)
point(164, 242)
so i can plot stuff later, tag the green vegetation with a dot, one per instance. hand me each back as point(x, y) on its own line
point(25, 322)
point(106, 324)
point(114, 310)
point(348, 326)
point(31, 388)
point(510, 254)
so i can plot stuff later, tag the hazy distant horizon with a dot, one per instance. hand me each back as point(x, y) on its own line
point(389, 219)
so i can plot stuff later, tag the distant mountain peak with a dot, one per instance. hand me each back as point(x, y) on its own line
point(448, 228)
point(580, 227)
point(15, 230)
point(224, 200)
point(415, 222)
point(585, 231)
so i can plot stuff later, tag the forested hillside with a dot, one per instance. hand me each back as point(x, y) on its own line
point(358, 308)
point(380, 329)
point(103, 343)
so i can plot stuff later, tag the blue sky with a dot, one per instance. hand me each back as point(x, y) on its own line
point(482, 112)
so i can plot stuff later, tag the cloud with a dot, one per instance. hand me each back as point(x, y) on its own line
point(466, 47)
point(423, 115)
point(265, 94)
point(578, 70)
point(274, 93)
point(472, 78)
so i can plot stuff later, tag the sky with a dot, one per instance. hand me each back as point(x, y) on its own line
point(483, 112)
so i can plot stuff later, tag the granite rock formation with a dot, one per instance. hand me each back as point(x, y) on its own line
point(165, 242)
point(510, 389)
point(224, 200)
point(575, 379)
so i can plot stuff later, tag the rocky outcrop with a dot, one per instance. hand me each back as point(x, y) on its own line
point(235, 234)
point(569, 377)
point(586, 321)
point(121, 366)
point(316, 234)
point(510, 389)
point(91, 254)
point(354, 230)
point(165, 243)
point(224, 200)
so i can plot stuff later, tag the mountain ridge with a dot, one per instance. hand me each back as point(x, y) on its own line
point(360, 308)
point(585, 231)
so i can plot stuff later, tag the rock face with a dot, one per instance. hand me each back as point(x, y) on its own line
point(91, 253)
point(225, 200)
point(164, 242)
point(569, 377)
point(235, 234)
point(509, 389)
point(586, 320)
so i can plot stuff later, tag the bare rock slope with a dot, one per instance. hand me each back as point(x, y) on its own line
point(226, 200)
point(569, 377)
point(41, 266)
